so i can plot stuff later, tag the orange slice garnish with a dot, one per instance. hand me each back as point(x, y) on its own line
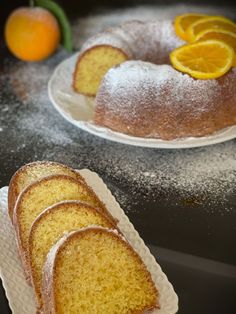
point(219, 34)
point(182, 22)
point(203, 60)
point(214, 22)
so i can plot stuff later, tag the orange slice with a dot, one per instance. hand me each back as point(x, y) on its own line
point(216, 22)
point(203, 60)
point(219, 34)
point(182, 22)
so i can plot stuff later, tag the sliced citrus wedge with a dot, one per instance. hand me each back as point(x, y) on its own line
point(216, 22)
point(219, 34)
point(203, 60)
point(182, 22)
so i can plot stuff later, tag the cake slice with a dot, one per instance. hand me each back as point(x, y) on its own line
point(92, 65)
point(50, 226)
point(33, 172)
point(42, 194)
point(95, 270)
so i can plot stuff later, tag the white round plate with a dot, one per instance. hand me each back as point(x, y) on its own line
point(78, 110)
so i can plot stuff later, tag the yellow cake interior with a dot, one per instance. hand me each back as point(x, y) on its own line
point(46, 193)
point(109, 279)
point(93, 65)
point(52, 225)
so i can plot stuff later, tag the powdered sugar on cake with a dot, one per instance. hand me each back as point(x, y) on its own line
point(110, 39)
point(140, 76)
point(131, 38)
point(147, 100)
point(152, 41)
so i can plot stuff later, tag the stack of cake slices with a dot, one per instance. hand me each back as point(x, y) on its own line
point(72, 252)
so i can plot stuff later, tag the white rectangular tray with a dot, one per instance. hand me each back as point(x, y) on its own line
point(20, 294)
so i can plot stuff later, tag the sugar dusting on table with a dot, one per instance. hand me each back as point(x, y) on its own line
point(29, 83)
point(207, 174)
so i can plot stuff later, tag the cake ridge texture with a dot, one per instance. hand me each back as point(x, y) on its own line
point(156, 101)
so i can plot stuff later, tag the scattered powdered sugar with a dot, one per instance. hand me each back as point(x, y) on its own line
point(204, 175)
point(201, 176)
point(29, 83)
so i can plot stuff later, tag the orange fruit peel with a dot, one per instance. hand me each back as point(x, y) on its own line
point(203, 60)
point(183, 21)
point(213, 22)
point(32, 34)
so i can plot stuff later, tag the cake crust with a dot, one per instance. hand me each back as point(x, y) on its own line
point(26, 170)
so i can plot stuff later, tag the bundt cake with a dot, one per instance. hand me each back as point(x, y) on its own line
point(42, 194)
point(110, 276)
point(50, 226)
point(32, 172)
point(144, 95)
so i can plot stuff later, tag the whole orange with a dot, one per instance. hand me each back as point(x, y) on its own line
point(32, 33)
